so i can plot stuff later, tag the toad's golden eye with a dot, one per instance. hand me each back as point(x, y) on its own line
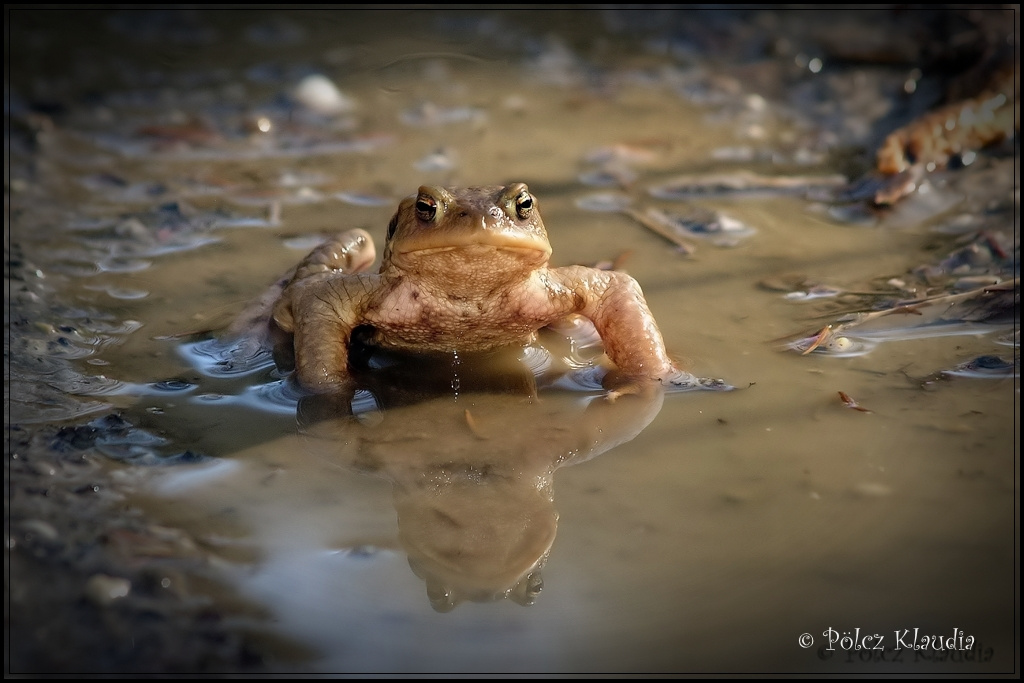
point(524, 205)
point(426, 208)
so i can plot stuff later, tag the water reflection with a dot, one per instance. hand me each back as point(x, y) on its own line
point(470, 449)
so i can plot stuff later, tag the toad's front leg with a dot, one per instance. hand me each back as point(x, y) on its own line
point(347, 253)
point(320, 314)
point(614, 302)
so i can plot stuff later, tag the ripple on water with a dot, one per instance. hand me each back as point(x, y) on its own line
point(604, 201)
point(279, 397)
point(987, 367)
point(172, 385)
point(123, 293)
point(362, 199)
point(292, 147)
point(117, 264)
point(836, 346)
point(216, 358)
point(848, 343)
point(267, 390)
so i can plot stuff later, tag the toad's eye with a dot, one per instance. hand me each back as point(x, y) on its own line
point(524, 205)
point(392, 226)
point(426, 208)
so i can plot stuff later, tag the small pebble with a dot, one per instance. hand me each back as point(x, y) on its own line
point(102, 589)
point(40, 528)
point(319, 94)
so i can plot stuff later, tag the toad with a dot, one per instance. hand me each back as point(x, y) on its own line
point(463, 270)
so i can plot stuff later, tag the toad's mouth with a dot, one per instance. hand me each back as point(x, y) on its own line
point(524, 251)
point(518, 245)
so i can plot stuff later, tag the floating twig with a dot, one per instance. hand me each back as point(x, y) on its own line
point(850, 403)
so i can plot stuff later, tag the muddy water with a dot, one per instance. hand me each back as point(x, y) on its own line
point(695, 531)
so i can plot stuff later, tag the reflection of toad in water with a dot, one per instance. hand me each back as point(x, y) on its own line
point(472, 470)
